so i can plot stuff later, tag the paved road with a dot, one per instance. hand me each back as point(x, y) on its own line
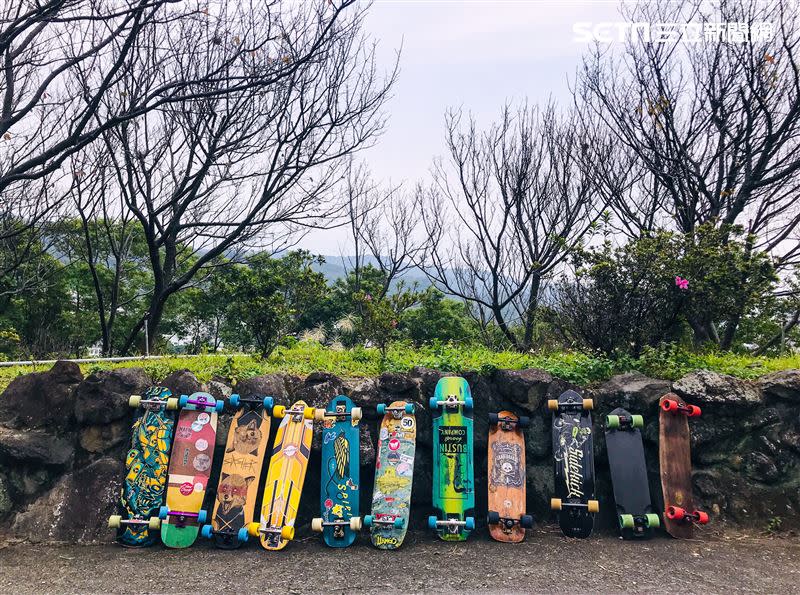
point(545, 562)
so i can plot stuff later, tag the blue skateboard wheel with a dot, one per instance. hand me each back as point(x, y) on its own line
point(409, 407)
point(269, 403)
point(234, 400)
point(381, 408)
point(219, 405)
point(242, 536)
point(468, 403)
point(206, 531)
point(368, 518)
point(432, 522)
point(399, 522)
point(470, 523)
point(183, 400)
point(201, 517)
point(163, 512)
point(433, 403)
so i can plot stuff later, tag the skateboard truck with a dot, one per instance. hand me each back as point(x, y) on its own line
point(639, 522)
point(494, 518)
point(616, 422)
point(675, 513)
point(238, 401)
point(202, 402)
point(591, 505)
point(451, 402)
point(241, 535)
point(673, 406)
point(577, 405)
point(451, 525)
point(319, 524)
point(115, 521)
point(397, 412)
point(281, 411)
point(258, 530)
point(137, 400)
point(354, 414)
point(385, 519)
point(508, 423)
point(182, 516)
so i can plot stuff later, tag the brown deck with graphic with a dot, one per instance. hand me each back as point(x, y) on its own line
point(506, 479)
point(675, 459)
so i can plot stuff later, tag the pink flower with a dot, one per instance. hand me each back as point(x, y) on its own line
point(367, 298)
point(683, 284)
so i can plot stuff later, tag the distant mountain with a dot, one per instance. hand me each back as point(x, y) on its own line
point(336, 267)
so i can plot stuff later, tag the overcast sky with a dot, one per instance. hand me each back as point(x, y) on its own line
point(470, 53)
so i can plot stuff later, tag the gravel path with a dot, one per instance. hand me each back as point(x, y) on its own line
point(545, 562)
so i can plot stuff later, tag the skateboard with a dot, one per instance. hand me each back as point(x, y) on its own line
point(241, 472)
point(189, 469)
point(394, 471)
point(573, 464)
point(676, 466)
point(146, 464)
point(506, 478)
point(635, 512)
point(340, 521)
point(287, 472)
point(453, 482)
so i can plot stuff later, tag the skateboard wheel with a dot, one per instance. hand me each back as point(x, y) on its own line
point(355, 523)
point(163, 512)
point(254, 529)
point(433, 403)
point(432, 522)
point(702, 517)
point(114, 521)
point(201, 517)
point(206, 531)
point(409, 408)
point(308, 413)
point(469, 523)
point(234, 401)
point(674, 513)
point(242, 535)
point(526, 521)
point(399, 522)
point(493, 419)
point(524, 422)
point(626, 521)
point(219, 406)
point(653, 521)
point(593, 506)
point(319, 414)
point(694, 411)
point(268, 403)
point(552, 404)
point(669, 405)
point(279, 411)
point(637, 421)
point(287, 533)
point(469, 404)
point(368, 518)
point(588, 404)
point(356, 414)
point(183, 400)
point(316, 525)
point(381, 409)
point(555, 503)
point(134, 401)
point(612, 422)
point(172, 403)
point(154, 524)
point(493, 517)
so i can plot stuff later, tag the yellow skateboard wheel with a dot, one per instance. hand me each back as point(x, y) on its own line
point(154, 524)
point(287, 532)
point(114, 521)
point(355, 523)
point(308, 413)
point(593, 505)
point(319, 414)
point(555, 503)
point(279, 411)
point(552, 404)
point(172, 403)
point(254, 529)
point(588, 404)
point(134, 400)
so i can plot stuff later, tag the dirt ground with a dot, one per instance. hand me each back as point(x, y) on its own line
point(546, 562)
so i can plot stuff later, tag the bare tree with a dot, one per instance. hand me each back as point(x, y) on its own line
point(714, 126)
point(506, 209)
point(213, 173)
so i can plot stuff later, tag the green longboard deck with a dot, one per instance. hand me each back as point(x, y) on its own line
point(453, 466)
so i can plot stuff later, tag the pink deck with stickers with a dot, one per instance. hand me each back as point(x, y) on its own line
point(189, 470)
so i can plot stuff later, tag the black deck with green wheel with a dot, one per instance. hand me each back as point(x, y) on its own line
point(635, 513)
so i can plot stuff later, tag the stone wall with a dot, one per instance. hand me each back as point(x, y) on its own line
point(63, 440)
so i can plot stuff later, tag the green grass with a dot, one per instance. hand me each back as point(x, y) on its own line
point(308, 356)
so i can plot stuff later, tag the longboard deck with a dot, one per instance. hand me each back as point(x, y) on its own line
point(189, 470)
point(339, 486)
point(286, 475)
point(573, 455)
point(453, 471)
point(394, 471)
point(629, 475)
point(675, 461)
point(146, 466)
point(506, 478)
point(241, 471)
